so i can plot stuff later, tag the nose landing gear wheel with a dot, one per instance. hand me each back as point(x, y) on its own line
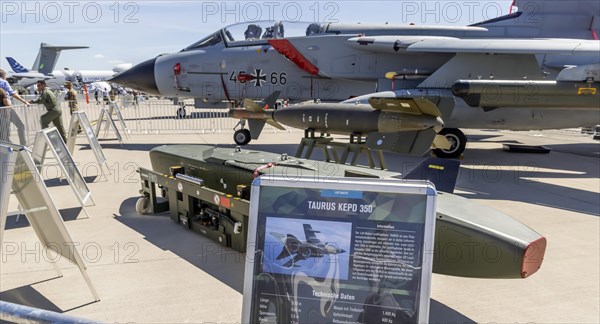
point(181, 112)
point(242, 136)
point(458, 142)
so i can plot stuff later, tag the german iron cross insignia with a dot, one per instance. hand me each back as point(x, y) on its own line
point(258, 77)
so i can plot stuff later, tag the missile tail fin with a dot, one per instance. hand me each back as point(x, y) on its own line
point(272, 99)
point(442, 172)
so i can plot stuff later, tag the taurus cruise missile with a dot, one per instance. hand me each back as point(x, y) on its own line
point(471, 240)
point(402, 125)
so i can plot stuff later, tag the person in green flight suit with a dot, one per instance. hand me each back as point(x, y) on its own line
point(48, 99)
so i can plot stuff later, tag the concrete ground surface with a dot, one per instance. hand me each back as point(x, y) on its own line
point(148, 269)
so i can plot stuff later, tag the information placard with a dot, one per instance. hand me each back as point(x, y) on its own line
point(339, 251)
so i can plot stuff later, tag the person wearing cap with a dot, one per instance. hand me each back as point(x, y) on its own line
point(71, 98)
point(48, 99)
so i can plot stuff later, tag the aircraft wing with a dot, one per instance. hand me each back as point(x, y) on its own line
point(435, 44)
point(292, 262)
point(30, 75)
point(285, 253)
point(310, 234)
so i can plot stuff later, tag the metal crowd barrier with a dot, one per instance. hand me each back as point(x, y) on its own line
point(14, 313)
point(19, 123)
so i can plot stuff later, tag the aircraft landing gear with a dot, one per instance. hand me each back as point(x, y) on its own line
point(458, 142)
point(242, 136)
point(181, 112)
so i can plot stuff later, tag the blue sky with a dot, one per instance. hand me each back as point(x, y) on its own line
point(133, 31)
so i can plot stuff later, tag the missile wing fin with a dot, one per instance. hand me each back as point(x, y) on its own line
point(251, 105)
point(256, 126)
point(441, 142)
point(414, 106)
point(269, 101)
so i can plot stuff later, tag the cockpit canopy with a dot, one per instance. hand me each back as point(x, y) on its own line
point(257, 33)
point(207, 41)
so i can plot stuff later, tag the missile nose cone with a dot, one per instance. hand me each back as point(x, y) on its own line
point(461, 89)
point(139, 77)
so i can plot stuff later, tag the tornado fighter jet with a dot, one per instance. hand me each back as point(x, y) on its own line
point(334, 62)
point(302, 250)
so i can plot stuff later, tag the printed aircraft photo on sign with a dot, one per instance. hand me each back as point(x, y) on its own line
point(301, 250)
point(317, 248)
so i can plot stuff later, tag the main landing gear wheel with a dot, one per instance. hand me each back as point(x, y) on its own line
point(242, 136)
point(458, 142)
point(181, 112)
point(142, 205)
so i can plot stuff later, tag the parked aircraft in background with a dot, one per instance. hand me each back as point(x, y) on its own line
point(43, 69)
point(57, 78)
point(335, 62)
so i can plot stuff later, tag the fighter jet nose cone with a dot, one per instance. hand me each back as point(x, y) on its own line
point(139, 77)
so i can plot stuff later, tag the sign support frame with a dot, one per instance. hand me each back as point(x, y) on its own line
point(79, 119)
point(45, 220)
point(42, 138)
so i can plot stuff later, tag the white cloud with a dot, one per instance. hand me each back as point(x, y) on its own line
point(98, 56)
point(115, 61)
